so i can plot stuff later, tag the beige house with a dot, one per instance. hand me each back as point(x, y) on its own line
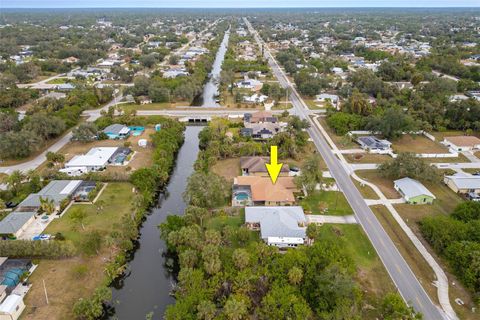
point(260, 191)
point(462, 143)
point(463, 183)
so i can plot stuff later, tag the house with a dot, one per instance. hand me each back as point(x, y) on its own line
point(261, 130)
point(94, 160)
point(413, 191)
point(259, 117)
point(65, 87)
point(332, 98)
point(255, 98)
point(255, 166)
point(117, 131)
point(462, 143)
point(70, 59)
point(56, 191)
point(463, 183)
point(279, 226)
point(15, 224)
point(144, 100)
point(251, 84)
point(173, 73)
point(12, 307)
point(254, 190)
point(18, 221)
point(374, 145)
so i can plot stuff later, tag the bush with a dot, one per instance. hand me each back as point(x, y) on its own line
point(36, 249)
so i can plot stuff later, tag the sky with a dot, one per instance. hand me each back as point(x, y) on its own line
point(234, 3)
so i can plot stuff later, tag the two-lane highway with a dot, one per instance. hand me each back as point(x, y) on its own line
point(398, 269)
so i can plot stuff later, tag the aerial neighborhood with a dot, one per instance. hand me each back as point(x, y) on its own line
point(272, 163)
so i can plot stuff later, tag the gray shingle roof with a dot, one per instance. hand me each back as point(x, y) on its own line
point(277, 221)
point(14, 222)
point(114, 128)
point(374, 143)
point(57, 190)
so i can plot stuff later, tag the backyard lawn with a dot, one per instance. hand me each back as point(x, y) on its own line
point(67, 280)
point(417, 144)
point(227, 168)
point(327, 203)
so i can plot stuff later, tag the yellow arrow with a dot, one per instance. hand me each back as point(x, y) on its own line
point(273, 167)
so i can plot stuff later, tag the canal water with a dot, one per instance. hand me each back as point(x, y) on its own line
point(146, 287)
point(210, 90)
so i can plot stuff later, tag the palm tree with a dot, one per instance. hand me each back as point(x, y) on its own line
point(78, 216)
point(14, 181)
point(47, 205)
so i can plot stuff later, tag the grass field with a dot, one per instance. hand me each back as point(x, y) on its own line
point(326, 202)
point(58, 81)
point(366, 158)
point(365, 190)
point(227, 168)
point(385, 184)
point(417, 144)
point(64, 283)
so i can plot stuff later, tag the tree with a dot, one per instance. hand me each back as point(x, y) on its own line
point(14, 181)
point(284, 302)
point(211, 259)
point(407, 164)
point(241, 258)
point(394, 308)
point(3, 206)
point(236, 308)
point(196, 214)
point(206, 190)
point(47, 205)
point(92, 243)
point(44, 126)
point(392, 123)
point(78, 216)
point(311, 173)
point(206, 310)
point(92, 308)
point(358, 104)
point(188, 258)
point(342, 122)
point(55, 157)
point(295, 275)
point(85, 132)
point(173, 59)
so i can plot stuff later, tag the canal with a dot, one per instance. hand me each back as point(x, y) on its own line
point(210, 90)
point(146, 287)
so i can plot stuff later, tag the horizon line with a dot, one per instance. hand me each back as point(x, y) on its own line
point(246, 7)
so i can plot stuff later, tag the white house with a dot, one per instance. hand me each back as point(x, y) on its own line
point(251, 84)
point(255, 98)
point(374, 145)
point(462, 143)
point(279, 226)
point(96, 159)
point(333, 98)
point(12, 307)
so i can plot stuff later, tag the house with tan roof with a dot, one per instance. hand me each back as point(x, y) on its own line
point(260, 191)
point(462, 143)
point(255, 166)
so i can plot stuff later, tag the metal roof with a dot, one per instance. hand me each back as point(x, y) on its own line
point(465, 181)
point(412, 188)
point(57, 191)
point(281, 222)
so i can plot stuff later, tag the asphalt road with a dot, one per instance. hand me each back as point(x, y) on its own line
point(408, 286)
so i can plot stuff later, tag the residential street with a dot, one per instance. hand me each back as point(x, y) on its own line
point(406, 282)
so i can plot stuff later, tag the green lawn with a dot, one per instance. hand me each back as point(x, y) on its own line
point(117, 199)
point(326, 202)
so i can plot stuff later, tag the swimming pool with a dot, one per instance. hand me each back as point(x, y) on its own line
point(242, 196)
point(136, 130)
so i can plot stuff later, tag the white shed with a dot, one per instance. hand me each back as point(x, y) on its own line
point(12, 307)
